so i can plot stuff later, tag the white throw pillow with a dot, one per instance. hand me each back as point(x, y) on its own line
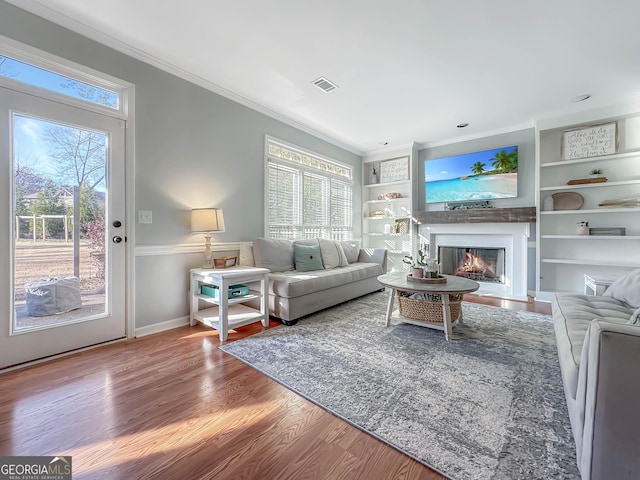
point(246, 255)
point(276, 255)
point(332, 254)
point(626, 289)
point(351, 250)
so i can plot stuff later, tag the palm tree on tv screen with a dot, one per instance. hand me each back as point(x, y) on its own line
point(505, 162)
point(477, 168)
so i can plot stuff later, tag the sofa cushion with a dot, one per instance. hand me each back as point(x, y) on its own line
point(295, 284)
point(626, 289)
point(572, 315)
point(332, 254)
point(276, 255)
point(307, 257)
point(351, 250)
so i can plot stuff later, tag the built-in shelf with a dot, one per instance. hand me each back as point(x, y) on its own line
point(591, 210)
point(382, 217)
point(590, 185)
point(601, 263)
point(616, 156)
point(562, 256)
point(386, 184)
point(381, 234)
point(594, 237)
point(391, 200)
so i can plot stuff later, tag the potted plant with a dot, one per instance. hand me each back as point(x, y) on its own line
point(418, 264)
point(582, 228)
point(596, 173)
point(432, 268)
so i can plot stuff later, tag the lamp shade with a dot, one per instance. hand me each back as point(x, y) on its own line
point(207, 220)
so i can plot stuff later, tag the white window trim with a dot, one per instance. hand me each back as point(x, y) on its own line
point(62, 66)
point(302, 168)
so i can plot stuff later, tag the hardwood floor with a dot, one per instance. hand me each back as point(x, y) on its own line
point(174, 406)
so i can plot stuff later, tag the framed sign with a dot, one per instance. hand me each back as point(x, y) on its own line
point(394, 170)
point(590, 142)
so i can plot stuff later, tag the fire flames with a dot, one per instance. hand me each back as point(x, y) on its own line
point(474, 264)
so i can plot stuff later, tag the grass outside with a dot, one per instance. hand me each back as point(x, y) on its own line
point(49, 259)
point(53, 258)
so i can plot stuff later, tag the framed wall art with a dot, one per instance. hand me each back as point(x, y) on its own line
point(395, 170)
point(592, 141)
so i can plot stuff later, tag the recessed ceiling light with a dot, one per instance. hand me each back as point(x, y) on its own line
point(581, 98)
point(462, 125)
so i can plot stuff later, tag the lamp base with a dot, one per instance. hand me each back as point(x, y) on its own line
point(208, 257)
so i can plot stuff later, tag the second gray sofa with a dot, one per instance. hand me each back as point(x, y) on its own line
point(598, 341)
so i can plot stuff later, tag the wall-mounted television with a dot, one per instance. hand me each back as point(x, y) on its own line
point(482, 175)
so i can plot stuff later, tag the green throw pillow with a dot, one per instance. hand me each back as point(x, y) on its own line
point(307, 257)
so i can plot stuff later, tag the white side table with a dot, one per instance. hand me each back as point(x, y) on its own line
point(596, 285)
point(228, 313)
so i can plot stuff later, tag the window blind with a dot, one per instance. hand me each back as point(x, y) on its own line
point(307, 196)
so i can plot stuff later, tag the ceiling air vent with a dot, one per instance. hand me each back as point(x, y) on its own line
point(325, 85)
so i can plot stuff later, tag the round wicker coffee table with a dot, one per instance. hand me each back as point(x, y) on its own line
point(433, 312)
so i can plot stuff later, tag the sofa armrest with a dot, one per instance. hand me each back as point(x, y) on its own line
point(374, 255)
point(609, 386)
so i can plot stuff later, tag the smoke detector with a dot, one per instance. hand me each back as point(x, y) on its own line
point(325, 85)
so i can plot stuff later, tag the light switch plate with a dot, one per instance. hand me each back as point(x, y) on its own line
point(144, 216)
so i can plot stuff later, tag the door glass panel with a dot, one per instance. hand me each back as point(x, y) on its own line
point(59, 189)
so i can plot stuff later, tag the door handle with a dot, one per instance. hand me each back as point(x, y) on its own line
point(117, 239)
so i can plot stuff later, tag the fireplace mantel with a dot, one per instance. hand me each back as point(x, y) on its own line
point(477, 215)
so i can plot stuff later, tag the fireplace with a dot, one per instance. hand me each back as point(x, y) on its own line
point(510, 238)
point(477, 263)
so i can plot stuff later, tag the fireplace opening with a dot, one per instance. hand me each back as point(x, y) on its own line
point(479, 264)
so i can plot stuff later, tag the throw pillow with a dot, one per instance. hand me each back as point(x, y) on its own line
point(246, 255)
point(276, 255)
point(332, 254)
point(635, 317)
point(351, 250)
point(307, 257)
point(626, 289)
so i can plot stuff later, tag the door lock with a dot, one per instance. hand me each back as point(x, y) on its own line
point(117, 239)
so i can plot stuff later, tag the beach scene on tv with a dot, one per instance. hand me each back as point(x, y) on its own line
point(473, 176)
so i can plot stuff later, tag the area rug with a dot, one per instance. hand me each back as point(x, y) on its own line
point(489, 404)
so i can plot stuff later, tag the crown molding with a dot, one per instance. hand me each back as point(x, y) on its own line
point(37, 8)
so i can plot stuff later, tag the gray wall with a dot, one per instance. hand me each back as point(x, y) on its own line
point(194, 148)
point(525, 139)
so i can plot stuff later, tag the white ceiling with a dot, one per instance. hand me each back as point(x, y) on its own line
point(407, 70)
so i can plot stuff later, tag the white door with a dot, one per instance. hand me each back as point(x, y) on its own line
point(62, 206)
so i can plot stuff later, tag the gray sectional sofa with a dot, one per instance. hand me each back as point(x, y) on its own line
point(299, 286)
point(598, 341)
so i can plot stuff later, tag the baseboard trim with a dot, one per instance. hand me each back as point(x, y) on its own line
point(162, 326)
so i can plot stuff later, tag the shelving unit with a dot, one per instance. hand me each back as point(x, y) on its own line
point(563, 257)
point(387, 222)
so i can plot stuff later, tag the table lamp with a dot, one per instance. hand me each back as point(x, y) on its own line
point(207, 220)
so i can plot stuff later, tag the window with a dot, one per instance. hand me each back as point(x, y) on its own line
point(28, 70)
point(307, 196)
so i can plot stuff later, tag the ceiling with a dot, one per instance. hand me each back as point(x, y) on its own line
point(407, 70)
